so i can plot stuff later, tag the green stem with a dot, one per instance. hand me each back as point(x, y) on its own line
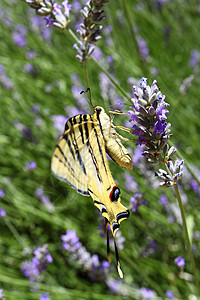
point(112, 80)
point(187, 236)
point(86, 74)
point(15, 233)
point(104, 70)
point(133, 36)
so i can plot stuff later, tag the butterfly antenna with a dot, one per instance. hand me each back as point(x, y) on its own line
point(89, 97)
point(108, 244)
point(118, 261)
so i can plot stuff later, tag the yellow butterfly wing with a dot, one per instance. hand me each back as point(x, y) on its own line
point(79, 158)
point(69, 161)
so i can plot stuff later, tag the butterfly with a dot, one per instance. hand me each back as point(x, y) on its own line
point(79, 158)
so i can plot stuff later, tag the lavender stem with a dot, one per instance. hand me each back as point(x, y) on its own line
point(188, 244)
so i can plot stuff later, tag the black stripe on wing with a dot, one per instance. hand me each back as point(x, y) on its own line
point(100, 149)
point(74, 143)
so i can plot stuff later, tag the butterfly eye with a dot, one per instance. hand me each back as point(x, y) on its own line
point(98, 109)
point(114, 195)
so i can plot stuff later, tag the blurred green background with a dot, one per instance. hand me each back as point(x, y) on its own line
point(40, 78)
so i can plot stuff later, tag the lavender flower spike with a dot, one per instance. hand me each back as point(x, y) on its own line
point(149, 120)
point(89, 31)
point(153, 131)
point(56, 15)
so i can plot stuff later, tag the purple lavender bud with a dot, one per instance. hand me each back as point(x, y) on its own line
point(1, 294)
point(45, 296)
point(194, 58)
point(19, 39)
point(29, 166)
point(2, 193)
point(30, 54)
point(35, 108)
point(29, 68)
point(163, 199)
point(70, 240)
point(147, 293)
point(180, 261)
point(143, 48)
point(97, 53)
point(114, 285)
point(137, 155)
point(194, 185)
point(39, 192)
point(47, 203)
point(169, 294)
point(59, 122)
point(67, 8)
point(130, 183)
point(2, 212)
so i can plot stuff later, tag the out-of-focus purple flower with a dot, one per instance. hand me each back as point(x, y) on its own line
point(136, 201)
point(30, 54)
point(2, 193)
point(114, 285)
point(5, 81)
point(110, 59)
point(143, 48)
point(130, 183)
point(76, 7)
point(163, 199)
point(39, 193)
point(180, 261)
point(147, 293)
point(137, 155)
point(194, 185)
point(97, 53)
point(45, 296)
point(2, 212)
point(59, 122)
point(29, 166)
point(70, 242)
point(171, 219)
point(29, 68)
point(1, 294)
point(19, 36)
point(194, 58)
point(35, 108)
point(186, 84)
point(169, 294)
point(33, 268)
point(150, 249)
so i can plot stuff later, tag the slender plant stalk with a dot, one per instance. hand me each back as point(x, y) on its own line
point(112, 79)
point(15, 233)
point(187, 240)
point(133, 36)
point(86, 74)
